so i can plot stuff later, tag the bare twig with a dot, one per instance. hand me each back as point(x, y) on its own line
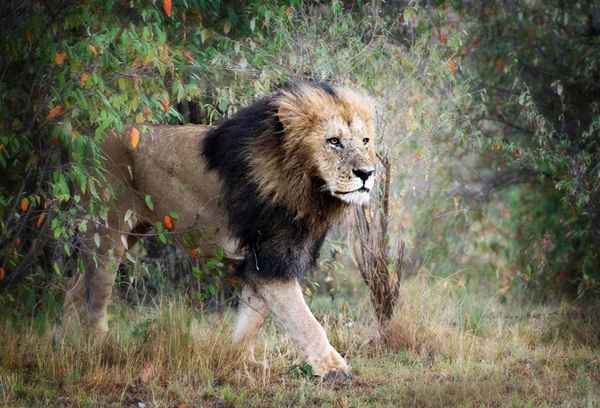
point(372, 255)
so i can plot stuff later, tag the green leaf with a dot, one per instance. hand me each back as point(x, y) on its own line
point(149, 202)
point(162, 237)
point(205, 35)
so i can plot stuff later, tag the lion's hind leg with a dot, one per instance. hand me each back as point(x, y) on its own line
point(86, 301)
point(252, 312)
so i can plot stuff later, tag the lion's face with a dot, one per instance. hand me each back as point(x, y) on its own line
point(327, 136)
point(346, 158)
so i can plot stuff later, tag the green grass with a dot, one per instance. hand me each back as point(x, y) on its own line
point(448, 347)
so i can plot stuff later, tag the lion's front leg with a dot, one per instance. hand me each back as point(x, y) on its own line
point(252, 313)
point(284, 298)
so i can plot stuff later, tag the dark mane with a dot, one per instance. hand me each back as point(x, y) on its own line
point(279, 243)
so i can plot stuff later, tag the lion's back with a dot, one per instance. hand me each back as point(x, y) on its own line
point(167, 165)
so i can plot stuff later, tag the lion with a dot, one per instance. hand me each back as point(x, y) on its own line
point(265, 185)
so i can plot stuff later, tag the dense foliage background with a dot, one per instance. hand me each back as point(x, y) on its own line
point(489, 112)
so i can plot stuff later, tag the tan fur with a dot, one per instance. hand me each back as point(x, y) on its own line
point(168, 166)
point(286, 302)
point(252, 313)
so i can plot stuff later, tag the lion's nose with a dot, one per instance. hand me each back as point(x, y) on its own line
point(363, 173)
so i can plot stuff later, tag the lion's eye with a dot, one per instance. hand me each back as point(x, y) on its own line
point(366, 140)
point(334, 141)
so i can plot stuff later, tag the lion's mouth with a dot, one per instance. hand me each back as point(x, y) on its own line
point(363, 189)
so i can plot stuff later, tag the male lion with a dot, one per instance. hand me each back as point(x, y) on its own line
point(265, 185)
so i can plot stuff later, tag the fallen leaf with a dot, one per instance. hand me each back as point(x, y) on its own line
point(28, 36)
point(168, 7)
point(194, 253)
point(2, 273)
point(134, 137)
point(93, 49)
point(56, 111)
point(60, 57)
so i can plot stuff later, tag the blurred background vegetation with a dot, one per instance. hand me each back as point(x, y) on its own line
point(489, 112)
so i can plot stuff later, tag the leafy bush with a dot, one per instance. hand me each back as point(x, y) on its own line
point(518, 195)
point(488, 112)
point(535, 68)
point(79, 70)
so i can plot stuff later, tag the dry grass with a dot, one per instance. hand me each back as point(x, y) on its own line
point(448, 347)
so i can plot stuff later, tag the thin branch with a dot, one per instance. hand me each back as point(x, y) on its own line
point(486, 187)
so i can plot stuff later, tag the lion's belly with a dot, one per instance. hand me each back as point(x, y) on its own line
point(170, 168)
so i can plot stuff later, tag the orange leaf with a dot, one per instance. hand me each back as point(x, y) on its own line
point(83, 78)
point(148, 372)
point(2, 273)
point(134, 137)
point(56, 111)
point(499, 65)
point(452, 66)
point(165, 104)
point(168, 222)
point(93, 49)
point(194, 253)
point(60, 57)
point(188, 56)
point(167, 7)
point(442, 37)
point(40, 220)
point(24, 204)
point(28, 36)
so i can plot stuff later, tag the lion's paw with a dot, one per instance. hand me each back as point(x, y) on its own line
point(331, 366)
point(337, 376)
